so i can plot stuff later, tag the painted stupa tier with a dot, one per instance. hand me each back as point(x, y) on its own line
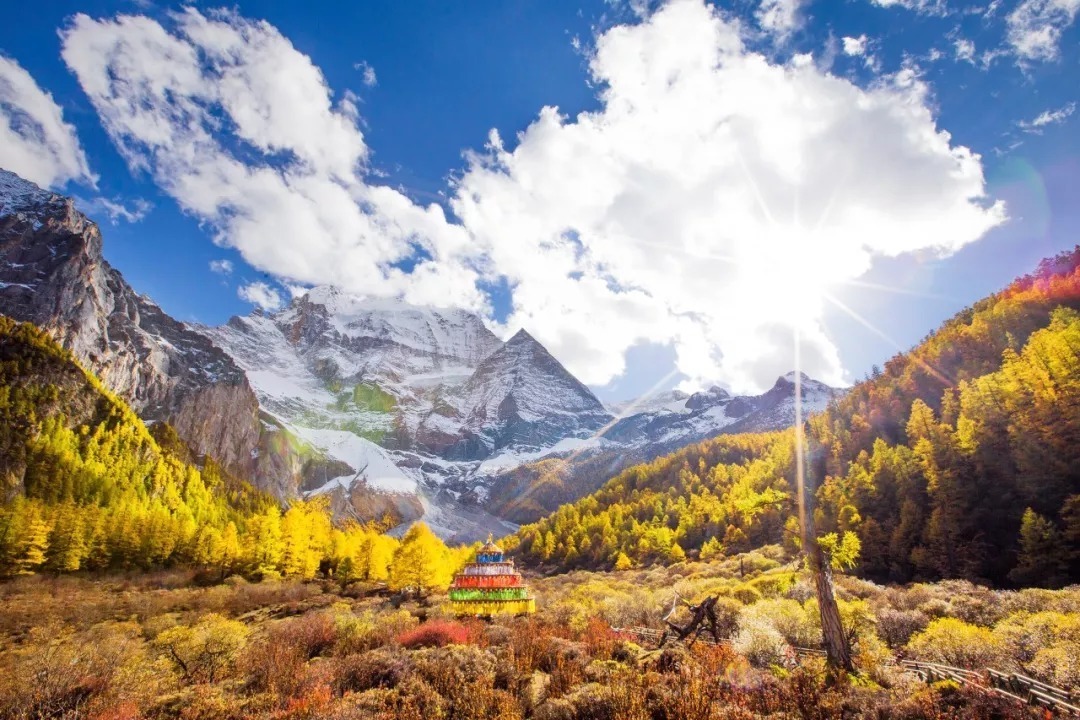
point(490, 586)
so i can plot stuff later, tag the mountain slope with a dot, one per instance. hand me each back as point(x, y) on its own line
point(52, 274)
point(85, 484)
point(531, 490)
point(959, 460)
point(522, 396)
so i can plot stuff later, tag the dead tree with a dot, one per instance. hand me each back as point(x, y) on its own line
point(837, 642)
point(703, 617)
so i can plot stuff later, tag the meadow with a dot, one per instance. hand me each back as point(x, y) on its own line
point(172, 644)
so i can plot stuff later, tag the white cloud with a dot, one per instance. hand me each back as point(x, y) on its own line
point(1048, 117)
point(261, 294)
point(922, 7)
point(369, 77)
point(779, 17)
point(221, 267)
point(965, 50)
point(1034, 27)
point(708, 205)
point(855, 46)
point(116, 210)
point(711, 200)
point(241, 129)
point(35, 142)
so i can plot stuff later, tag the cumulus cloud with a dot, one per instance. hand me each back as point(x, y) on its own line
point(35, 142)
point(855, 46)
point(779, 17)
point(711, 200)
point(1048, 117)
point(1034, 27)
point(242, 130)
point(221, 267)
point(709, 204)
point(260, 294)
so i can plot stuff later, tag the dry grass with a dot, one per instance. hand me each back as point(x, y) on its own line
point(162, 646)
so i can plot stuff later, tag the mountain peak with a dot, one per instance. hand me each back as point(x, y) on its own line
point(18, 193)
point(522, 336)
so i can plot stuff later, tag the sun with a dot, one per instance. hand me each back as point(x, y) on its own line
point(787, 274)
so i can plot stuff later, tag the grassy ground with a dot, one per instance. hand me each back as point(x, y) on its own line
point(164, 646)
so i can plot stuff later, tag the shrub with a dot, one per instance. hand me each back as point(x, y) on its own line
point(58, 673)
point(355, 633)
point(205, 650)
point(746, 594)
point(897, 626)
point(772, 584)
point(311, 635)
point(1045, 645)
point(380, 668)
point(1058, 665)
point(955, 642)
point(788, 617)
point(436, 633)
point(759, 642)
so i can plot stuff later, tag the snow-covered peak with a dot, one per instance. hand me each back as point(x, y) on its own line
point(809, 384)
point(522, 378)
point(672, 401)
point(20, 195)
point(445, 332)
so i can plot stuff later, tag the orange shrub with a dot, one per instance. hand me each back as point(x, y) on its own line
point(435, 633)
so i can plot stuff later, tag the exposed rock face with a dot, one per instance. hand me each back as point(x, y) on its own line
point(521, 396)
point(52, 274)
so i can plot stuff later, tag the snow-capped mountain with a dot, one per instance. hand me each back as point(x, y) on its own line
point(387, 409)
point(412, 400)
point(428, 403)
point(530, 489)
point(674, 401)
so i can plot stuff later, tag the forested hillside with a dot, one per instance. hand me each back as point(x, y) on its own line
point(87, 486)
point(960, 459)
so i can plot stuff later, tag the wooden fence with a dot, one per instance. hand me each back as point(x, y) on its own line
point(1012, 685)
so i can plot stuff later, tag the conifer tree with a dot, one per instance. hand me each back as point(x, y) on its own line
point(1043, 558)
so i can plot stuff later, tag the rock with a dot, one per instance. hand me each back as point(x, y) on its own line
point(52, 274)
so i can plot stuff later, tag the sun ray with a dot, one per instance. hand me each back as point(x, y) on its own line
point(891, 289)
point(948, 382)
point(626, 412)
point(800, 467)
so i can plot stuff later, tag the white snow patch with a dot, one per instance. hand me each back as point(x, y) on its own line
point(370, 461)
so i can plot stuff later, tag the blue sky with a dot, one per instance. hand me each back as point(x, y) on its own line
point(414, 87)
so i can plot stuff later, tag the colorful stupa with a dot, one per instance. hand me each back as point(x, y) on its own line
point(490, 586)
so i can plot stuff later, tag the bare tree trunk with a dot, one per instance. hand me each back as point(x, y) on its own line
point(833, 637)
point(832, 629)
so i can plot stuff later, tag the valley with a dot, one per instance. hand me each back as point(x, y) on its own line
point(382, 407)
point(366, 444)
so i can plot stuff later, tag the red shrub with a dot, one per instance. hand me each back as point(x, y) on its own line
point(436, 633)
point(599, 638)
